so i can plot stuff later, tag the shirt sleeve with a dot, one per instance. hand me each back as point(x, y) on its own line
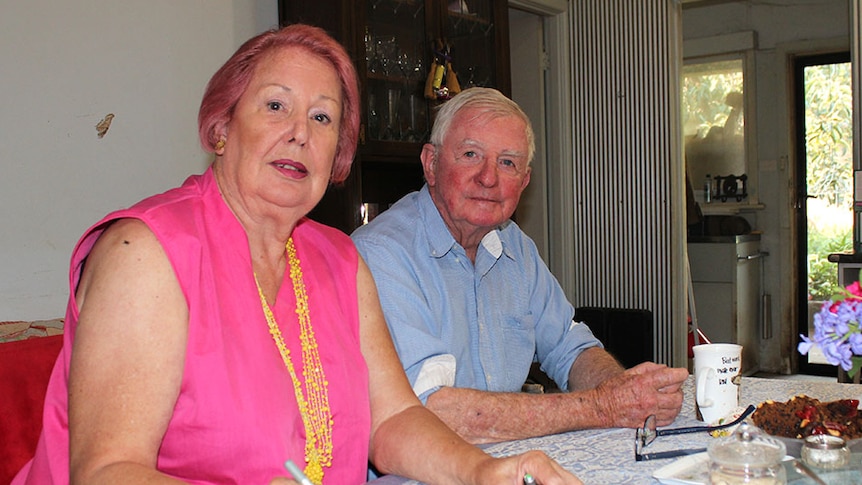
point(559, 339)
point(436, 372)
point(416, 331)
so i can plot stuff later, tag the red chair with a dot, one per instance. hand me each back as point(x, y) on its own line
point(25, 367)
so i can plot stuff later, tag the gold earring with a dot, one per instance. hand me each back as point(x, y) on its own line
point(219, 144)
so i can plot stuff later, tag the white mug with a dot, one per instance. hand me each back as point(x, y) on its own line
point(717, 374)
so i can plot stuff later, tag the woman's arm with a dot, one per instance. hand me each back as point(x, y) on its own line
point(127, 359)
point(409, 440)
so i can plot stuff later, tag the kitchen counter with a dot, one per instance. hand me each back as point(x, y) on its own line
point(725, 239)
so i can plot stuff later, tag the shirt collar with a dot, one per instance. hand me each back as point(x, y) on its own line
point(492, 243)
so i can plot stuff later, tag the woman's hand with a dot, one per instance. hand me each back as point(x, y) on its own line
point(512, 470)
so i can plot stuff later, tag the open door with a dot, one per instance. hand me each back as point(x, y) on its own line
point(823, 110)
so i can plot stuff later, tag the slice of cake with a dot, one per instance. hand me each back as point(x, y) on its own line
point(802, 416)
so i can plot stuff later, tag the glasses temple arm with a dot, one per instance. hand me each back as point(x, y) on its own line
point(660, 455)
point(694, 429)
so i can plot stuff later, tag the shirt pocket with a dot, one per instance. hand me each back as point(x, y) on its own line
point(519, 346)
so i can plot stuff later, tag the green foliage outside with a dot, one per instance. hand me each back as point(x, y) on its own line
point(823, 274)
point(828, 132)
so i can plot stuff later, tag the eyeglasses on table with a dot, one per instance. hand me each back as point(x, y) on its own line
point(646, 435)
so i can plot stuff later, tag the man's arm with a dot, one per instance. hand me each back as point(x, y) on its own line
point(629, 396)
point(591, 368)
point(604, 395)
point(489, 417)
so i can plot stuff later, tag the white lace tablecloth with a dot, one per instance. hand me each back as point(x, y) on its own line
point(607, 456)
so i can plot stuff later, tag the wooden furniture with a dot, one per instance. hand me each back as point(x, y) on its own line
point(393, 44)
point(849, 266)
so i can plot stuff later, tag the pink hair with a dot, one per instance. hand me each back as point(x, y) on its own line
point(229, 83)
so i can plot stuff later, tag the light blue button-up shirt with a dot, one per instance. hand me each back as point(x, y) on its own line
point(489, 321)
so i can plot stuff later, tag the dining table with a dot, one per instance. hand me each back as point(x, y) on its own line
point(607, 456)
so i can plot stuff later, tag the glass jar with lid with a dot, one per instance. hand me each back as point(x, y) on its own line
point(825, 451)
point(747, 456)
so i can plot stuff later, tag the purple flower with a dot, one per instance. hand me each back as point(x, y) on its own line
point(837, 353)
point(837, 330)
point(855, 341)
point(805, 345)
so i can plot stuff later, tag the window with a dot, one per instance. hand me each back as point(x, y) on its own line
point(713, 117)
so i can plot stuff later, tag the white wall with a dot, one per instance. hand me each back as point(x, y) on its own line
point(67, 64)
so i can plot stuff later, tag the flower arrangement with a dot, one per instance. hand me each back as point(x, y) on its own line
point(837, 330)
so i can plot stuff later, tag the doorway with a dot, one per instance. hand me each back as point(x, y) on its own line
point(540, 46)
point(527, 50)
point(824, 186)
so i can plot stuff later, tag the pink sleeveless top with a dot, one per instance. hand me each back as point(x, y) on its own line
point(236, 419)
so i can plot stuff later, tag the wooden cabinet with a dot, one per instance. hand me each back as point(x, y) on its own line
point(394, 44)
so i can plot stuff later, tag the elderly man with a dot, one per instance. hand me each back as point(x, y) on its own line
point(471, 305)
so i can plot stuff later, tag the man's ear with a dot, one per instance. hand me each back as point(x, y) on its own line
point(527, 177)
point(429, 161)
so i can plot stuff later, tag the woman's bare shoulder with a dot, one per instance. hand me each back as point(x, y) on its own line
point(127, 258)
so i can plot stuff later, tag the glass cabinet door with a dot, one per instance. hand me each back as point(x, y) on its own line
point(395, 64)
point(470, 32)
point(419, 53)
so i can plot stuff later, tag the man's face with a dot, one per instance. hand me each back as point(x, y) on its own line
point(476, 178)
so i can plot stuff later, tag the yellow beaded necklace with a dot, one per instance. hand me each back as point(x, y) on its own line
point(314, 406)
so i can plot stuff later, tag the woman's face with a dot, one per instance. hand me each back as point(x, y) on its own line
point(281, 141)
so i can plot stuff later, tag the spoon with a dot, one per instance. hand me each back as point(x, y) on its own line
point(808, 472)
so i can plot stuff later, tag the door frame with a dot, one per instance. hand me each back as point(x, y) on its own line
point(558, 120)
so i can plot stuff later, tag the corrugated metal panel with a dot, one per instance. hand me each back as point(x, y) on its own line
point(625, 187)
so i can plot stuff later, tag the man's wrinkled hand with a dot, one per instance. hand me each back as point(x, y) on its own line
point(628, 398)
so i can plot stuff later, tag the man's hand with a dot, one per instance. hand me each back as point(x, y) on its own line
point(626, 399)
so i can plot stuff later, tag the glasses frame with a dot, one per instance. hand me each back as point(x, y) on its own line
point(648, 433)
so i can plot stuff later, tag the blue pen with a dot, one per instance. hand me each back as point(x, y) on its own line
point(296, 473)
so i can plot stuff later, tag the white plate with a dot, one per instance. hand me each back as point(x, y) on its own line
point(688, 470)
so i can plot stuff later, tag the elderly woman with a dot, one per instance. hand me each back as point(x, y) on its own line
point(215, 332)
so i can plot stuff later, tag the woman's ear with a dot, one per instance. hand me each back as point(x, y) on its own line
point(220, 135)
point(219, 145)
point(219, 130)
